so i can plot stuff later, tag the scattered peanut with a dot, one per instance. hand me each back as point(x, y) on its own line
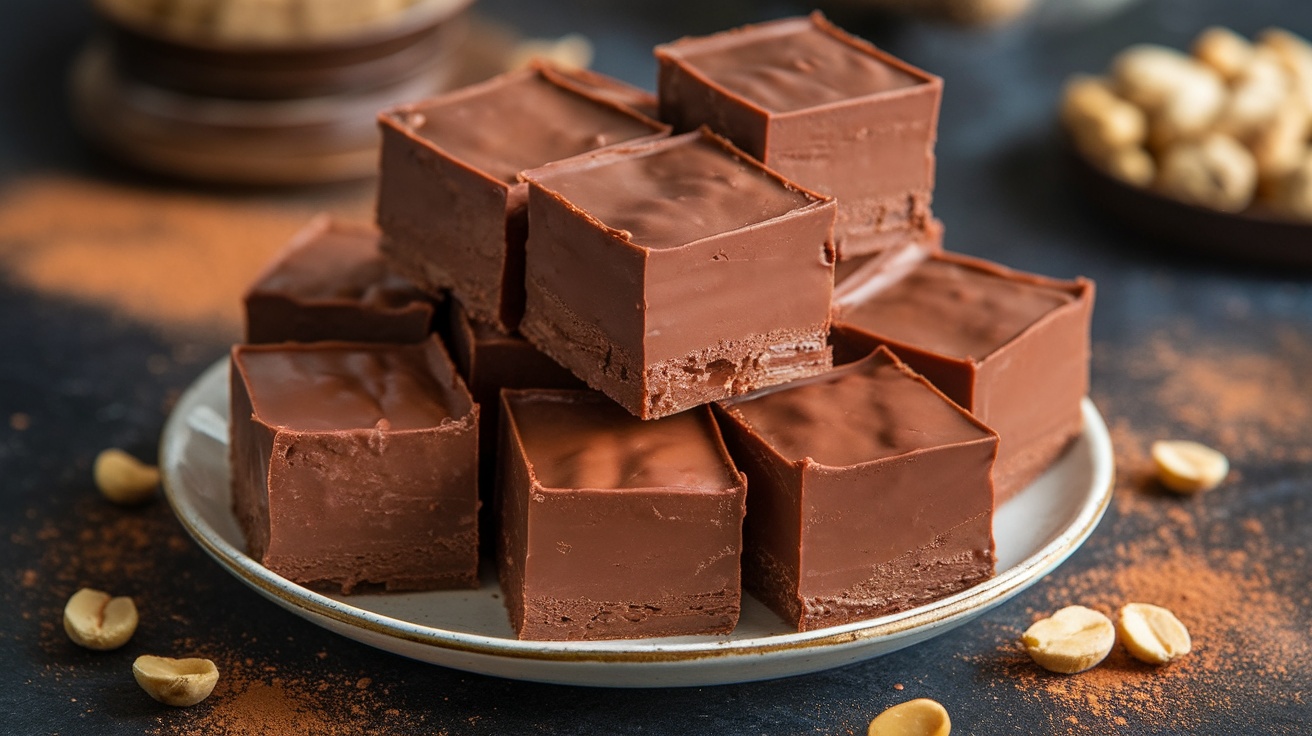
point(96, 620)
point(124, 479)
point(1151, 633)
point(1072, 640)
point(1216, 172)
point(177, 682)
point(1189, 467)
point(919, 717)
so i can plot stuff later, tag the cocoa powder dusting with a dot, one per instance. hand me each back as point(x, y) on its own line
point(1250, 643)
point(174, 259)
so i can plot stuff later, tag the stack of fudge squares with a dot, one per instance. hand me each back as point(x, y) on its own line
point(648, 350)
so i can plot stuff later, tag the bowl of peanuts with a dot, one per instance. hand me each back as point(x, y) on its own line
point(1209, 150)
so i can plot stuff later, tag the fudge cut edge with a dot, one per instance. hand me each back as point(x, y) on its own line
point(601, 336)
point(524, 500)
point(424, 191)
point(789, 494)
point(874, 213)
point(261, 452)
point(1035, 429)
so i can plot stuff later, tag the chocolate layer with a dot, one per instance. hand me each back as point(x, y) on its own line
point(612, 527)
point(822, 107)
point(1010, 347)
point(718, 273)
point(355, 464)
point(331, 283)
point(871, 493)
point(449, 204)
point(490, 360)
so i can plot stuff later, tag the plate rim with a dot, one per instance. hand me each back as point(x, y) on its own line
point(943, 612)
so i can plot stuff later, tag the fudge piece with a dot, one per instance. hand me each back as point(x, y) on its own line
point(612, 527)
point(677, 272)
point(823, 108)
point(355, 464)
point(331, 283)
point(490, 360)
point(449, 201)
point(613, 89)
point(1010, 347)
point(870, 493)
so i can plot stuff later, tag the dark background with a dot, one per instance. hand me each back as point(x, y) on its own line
point(1184, 346)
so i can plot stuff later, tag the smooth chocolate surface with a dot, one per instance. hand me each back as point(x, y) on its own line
point(331, 283)
point(612, 527)
point(604, 447)
point(799, 67)
point(672, 196)
point(520, 124)
point(870, 493)
point(612, 89)
point(449, 204)
point(718, 273)
point(822, 107)
point(959, 312)
point(1010, 347)
point(355, 464)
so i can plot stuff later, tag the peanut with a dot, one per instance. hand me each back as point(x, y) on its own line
point(1072, 640)
point(1292, 193)
point(1296, 55)
point(1216, 172)
point(1259, 92)
point(124, 479)
point(177, 682)
point(1279, 148)
point(1224, 50)
point(1132, 165)
point(95, 620)
point(919, 717)
point(1189, 467)
point(1151, 633)
point(1098, 120)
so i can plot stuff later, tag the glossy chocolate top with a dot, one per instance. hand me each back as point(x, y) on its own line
point(579, 439)
point(520, 121)
point(956, 309)
point(673, 192)
point(333, 262)
point(792, 64)
point(340, 386)
point(874, 409)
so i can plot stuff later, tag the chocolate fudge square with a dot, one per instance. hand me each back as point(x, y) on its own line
point(490, 360)
point(449, 201)
point(612, 527)
point(677, 272)
point(823, 108)
point(870, 493)
point(355, 464)
point(331, 283)
point(1010, 347)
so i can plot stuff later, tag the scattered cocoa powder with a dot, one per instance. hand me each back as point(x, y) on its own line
point(252, 700)
point(1249, 403)
point(1251, 643)
point(170, 258)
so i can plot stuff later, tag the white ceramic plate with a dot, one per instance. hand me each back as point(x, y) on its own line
point(469, 630)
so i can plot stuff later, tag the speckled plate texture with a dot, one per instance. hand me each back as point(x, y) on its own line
point(469, 630)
